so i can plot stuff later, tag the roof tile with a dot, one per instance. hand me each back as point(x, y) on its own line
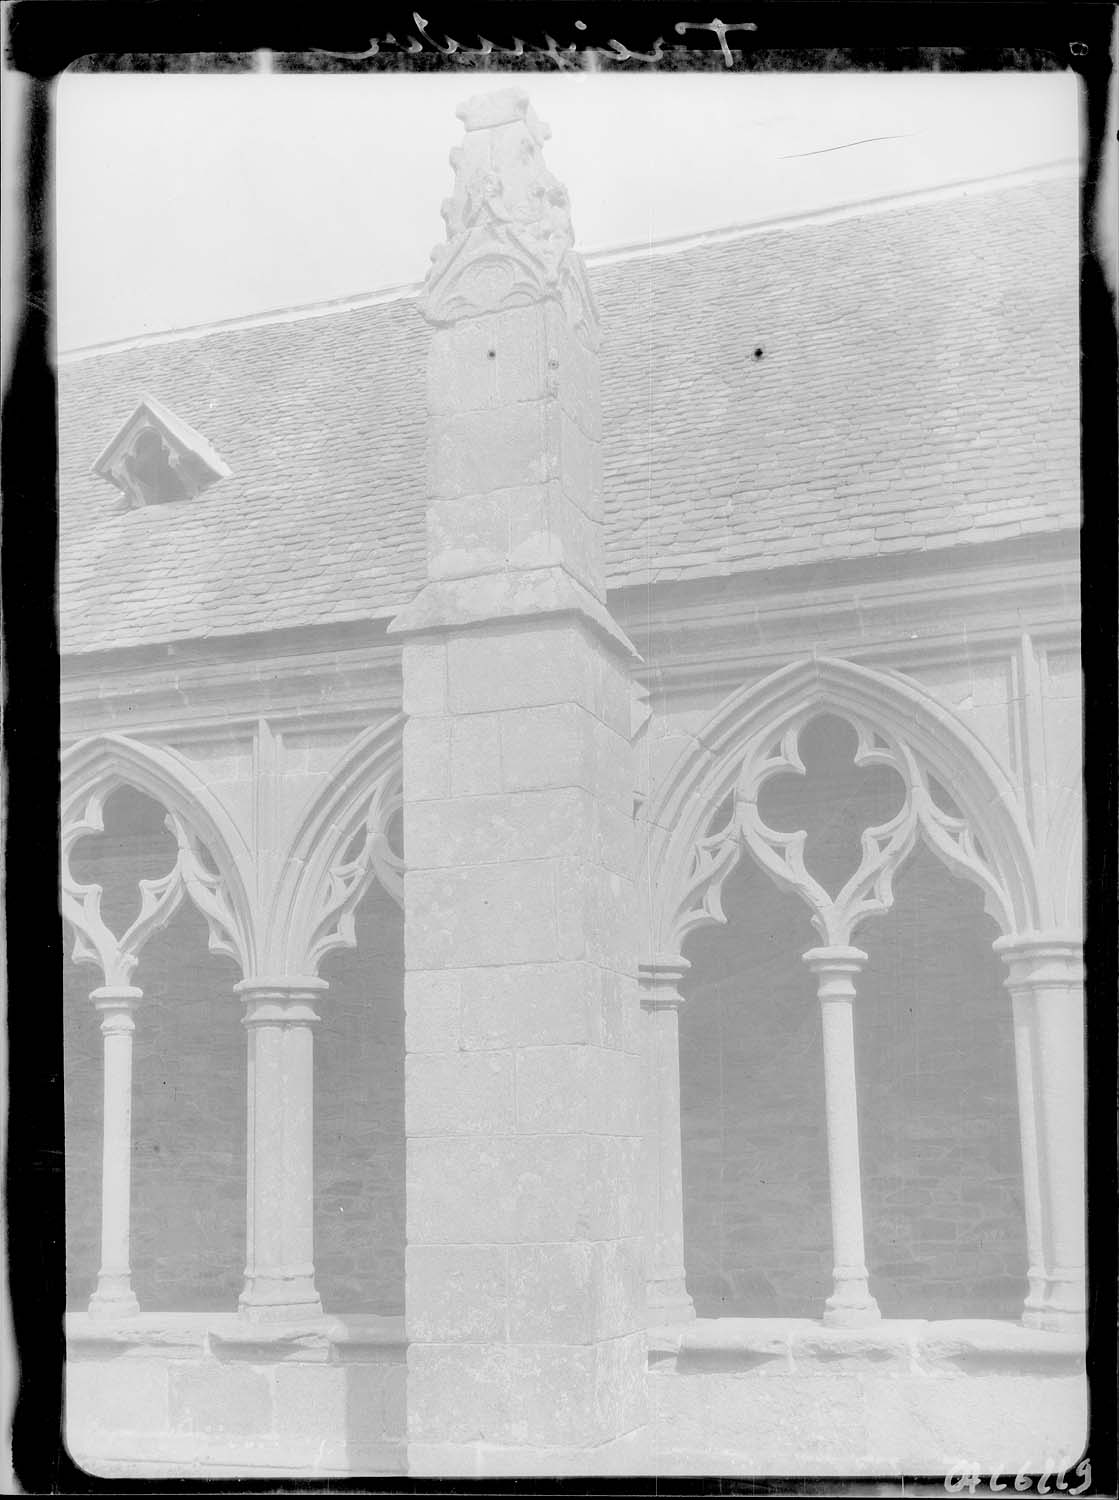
point(919, 375)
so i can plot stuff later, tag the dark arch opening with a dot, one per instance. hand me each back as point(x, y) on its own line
point(757, 1237)
point(188, 1112)
point(359, 1116)
point(939, 1131)
point(938, 1112)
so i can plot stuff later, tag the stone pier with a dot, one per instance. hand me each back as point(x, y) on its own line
point(525, 1277)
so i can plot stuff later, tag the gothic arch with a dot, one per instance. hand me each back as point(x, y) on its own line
point(91, 771)
point(683, 867)
point(320, 887)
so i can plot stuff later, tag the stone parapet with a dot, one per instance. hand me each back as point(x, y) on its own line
point(915, 1346)
point(738, 1396)
point(208, 1395)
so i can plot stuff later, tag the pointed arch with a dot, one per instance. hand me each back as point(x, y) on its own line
point(91, 771)
point(320, 886)
point(684, 866)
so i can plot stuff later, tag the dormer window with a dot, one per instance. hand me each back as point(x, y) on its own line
point(158, 459)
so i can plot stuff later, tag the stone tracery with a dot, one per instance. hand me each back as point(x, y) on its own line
point(869, 890)
point(276, 919)
point(509, 237)
point(979, 830)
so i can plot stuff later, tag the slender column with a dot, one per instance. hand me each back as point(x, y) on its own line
point(114, 1296)
point(850, 1304)
point(666, 1293)
point(279, 1267)
point(1046, 982)
point(1031, 1165)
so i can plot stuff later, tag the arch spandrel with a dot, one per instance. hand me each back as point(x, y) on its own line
point(685, 862)
point(321, 882)
point(277, 912)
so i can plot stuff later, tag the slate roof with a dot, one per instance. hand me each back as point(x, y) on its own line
point(917, 389)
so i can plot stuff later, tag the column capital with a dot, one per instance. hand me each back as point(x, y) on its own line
point(280, 1002)
point(116, 1003)
point(660, 979)
point(835, 961)
point(1042, 960)
point(115, 996)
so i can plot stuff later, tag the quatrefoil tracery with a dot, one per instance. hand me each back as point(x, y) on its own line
point(884, 847)
point(191, 874)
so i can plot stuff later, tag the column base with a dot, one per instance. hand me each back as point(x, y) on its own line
point(113, 1305)
point(285, 1306)
point(851, 1309)
point(1053, 1320)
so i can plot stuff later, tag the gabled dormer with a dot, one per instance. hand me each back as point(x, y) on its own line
point(157, 459)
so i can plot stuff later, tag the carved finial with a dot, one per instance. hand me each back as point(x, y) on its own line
point(509, 235)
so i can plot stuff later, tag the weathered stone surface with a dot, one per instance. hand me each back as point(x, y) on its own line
point(595, 1291)
point(528, 1004)
point(520, 668)
point(527, 1189)
point(459, 1393)
point(220, 1399)
point(576, 1088)
point(593, 914)
point(459, 1093)
point(498, 829)
point(484, 914)
point(424, 665)
point(427, 757)
point(309, 1402)
point(266, 1413)
point(433, 1008)
point(480, 363)
point(473, 453)
point(529, 527)
point(117, 1396)
point(565, 744)
point(575, 375)
point(459, 1293)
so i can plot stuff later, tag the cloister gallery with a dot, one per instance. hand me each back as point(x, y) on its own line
point(637, 843)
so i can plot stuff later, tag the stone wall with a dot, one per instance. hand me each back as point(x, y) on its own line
point(189, 1114)
point(754, 1397)
point(941, 1168)
point(191, 1394)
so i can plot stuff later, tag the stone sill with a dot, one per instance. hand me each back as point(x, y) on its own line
point(804, 1346)
point(345, 1338)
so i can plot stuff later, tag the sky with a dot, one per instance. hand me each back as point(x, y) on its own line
point(190, 199)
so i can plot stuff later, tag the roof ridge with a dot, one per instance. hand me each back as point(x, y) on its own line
point(602, 255)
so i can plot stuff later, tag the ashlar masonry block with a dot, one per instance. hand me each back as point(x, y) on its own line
point(519, 1189)
point(459, 1293)
point(481, 914)
point(508, 826)
point(531, 526)
point(595, 1291)
point(459, 1093)
point(576, 1088)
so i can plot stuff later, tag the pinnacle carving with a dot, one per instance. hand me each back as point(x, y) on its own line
point(509, 237)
